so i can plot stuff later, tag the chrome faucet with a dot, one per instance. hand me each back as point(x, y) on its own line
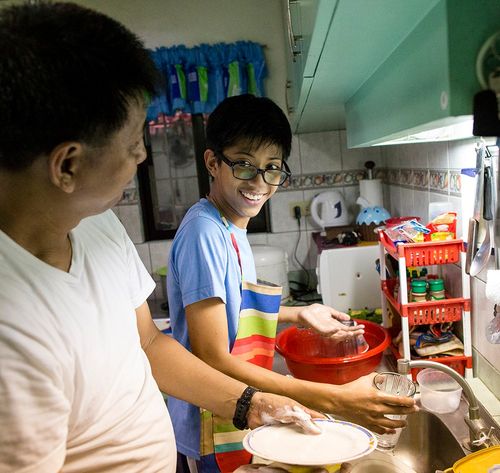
point(480, 434)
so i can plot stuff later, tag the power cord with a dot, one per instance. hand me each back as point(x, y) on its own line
point(298, 216)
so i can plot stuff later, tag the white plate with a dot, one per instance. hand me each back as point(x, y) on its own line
point(338, 442)
point(378, 462)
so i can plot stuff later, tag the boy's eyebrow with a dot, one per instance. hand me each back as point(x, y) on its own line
point(246, 153)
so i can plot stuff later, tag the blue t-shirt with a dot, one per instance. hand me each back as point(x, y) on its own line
point(203, 264)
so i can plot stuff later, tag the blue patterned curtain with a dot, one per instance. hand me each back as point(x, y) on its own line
point(195, 80)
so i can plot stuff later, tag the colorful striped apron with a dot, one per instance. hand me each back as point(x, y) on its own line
point(221, 446)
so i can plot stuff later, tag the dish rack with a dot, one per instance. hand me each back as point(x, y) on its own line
point(451, 309)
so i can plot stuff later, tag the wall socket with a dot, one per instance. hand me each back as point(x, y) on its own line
point(305, 208)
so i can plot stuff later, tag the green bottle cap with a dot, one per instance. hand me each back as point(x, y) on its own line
point(436, 285)
point(418, 286)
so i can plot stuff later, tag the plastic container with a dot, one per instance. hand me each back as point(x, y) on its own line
point(271, 265)
point(301, 349)
point(483, 461)
point(436, 290)
point(439, 392)
point(419, 286)
point(418, 297)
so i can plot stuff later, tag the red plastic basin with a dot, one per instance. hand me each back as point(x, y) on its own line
point(300, 347)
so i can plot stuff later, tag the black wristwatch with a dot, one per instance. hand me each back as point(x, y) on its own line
point(242, 406)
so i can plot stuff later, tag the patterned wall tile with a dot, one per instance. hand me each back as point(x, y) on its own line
point(438, 180)
point(328, 179)
point(421, 179)
point(406, 176)
point(393, 176)
point(455, 183)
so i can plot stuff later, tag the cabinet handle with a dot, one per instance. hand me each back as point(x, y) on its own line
point(293, 39)
point(288, 87)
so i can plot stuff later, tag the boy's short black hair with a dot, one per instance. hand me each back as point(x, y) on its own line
point(255, 120)
point(66, 73)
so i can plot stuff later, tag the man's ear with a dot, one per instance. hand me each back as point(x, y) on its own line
point(64, 161)
point(211, 162)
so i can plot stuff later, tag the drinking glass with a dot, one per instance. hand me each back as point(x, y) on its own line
point(351, 346)
point(397, 385)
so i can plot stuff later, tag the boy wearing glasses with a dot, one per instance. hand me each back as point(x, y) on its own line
point(217, 308)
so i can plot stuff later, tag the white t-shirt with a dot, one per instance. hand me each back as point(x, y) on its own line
point(76, 389)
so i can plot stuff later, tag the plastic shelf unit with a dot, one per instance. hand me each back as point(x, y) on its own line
point(451, 309)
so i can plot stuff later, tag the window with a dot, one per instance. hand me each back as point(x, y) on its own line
point(174, 177)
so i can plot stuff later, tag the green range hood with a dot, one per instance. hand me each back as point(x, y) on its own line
point(428, 82)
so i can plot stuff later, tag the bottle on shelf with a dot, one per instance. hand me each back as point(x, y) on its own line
point(436, 290)
point(418, 290)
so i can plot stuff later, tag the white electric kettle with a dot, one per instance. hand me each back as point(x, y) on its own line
point(328, 209)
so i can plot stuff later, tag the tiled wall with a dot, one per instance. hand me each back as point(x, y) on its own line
point(415, 175)
point(319, 162)
point(418, 174)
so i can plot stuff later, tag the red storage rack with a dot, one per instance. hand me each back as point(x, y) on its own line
point(428, 312)
point(425, 254)
point(451, 309)
point(458, 363)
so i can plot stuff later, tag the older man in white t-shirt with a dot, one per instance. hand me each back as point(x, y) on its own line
point(81, 359)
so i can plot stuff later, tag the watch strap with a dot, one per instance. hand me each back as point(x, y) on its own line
point(242, 406)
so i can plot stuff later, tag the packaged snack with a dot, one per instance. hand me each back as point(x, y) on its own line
point(410, 231)
point(443, 227)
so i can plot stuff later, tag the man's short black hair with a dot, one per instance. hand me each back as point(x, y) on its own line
point(245, 118)
point(66, 73)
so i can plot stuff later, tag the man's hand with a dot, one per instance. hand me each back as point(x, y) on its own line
point(327, 321)
point(266, 408)
point(363, 404)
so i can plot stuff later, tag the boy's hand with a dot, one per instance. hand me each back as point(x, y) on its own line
point(327, 321)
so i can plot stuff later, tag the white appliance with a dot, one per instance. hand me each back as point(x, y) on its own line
point(271, 265)
point(347, 277)
point(328, 209)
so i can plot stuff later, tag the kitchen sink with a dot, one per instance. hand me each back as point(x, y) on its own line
point(425, 445)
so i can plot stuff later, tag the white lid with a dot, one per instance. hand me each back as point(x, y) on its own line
point(266, 254)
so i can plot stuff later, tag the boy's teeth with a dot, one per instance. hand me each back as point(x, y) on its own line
point(252, 196)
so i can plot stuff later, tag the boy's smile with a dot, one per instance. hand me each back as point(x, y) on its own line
point(240, 199)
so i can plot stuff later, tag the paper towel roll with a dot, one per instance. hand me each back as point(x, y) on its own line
point(371, 190)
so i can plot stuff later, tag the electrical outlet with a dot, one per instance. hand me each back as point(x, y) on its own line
point(305, 208)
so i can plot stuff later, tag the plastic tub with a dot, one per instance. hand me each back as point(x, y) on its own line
point(302, 349)
point(484, 460)
point(439, 392)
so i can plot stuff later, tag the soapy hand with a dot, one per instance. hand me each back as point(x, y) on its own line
point(267, 408)
point(327, 321)
point(289, 415)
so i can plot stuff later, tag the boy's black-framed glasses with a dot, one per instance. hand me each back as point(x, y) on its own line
point(245, 171)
